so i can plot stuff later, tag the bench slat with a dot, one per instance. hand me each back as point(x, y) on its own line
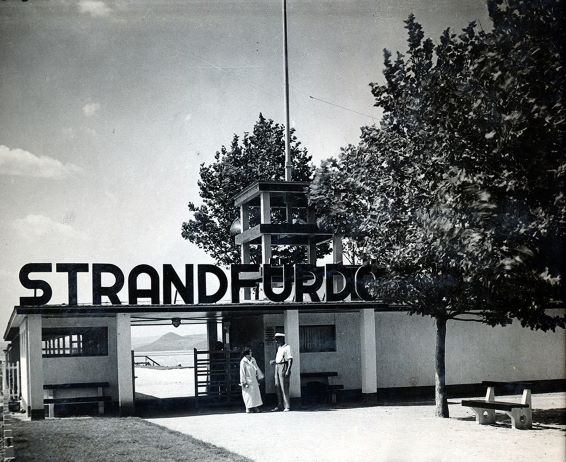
point(61, 386)
point(80, 399)
point(489, 383)
point(335, 387)
point(318, 374)
point(501, 405)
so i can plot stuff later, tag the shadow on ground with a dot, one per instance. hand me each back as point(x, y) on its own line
point(543, 419)
point(152, 407)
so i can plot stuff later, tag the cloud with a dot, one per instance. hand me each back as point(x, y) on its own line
point(96, 8)
point(188, 117)
point(90, 109)
point(34, 226)
point(68, 132)
point(17, 162)
point(89, 131)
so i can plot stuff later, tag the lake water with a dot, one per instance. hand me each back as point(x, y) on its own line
point(167, 358)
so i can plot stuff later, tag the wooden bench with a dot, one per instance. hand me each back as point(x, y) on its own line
point(51, 389)
point(521, 413)
point(330, 390)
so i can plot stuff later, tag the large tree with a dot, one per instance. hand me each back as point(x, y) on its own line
point(459, 193)
point(259, 155)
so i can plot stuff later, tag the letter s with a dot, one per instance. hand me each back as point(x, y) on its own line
point(35, 284)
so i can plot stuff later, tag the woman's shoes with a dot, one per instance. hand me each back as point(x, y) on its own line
point(253, 410)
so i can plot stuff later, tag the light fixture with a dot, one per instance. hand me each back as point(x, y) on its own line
point(235, 227)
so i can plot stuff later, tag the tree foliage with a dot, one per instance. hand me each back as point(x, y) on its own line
point(459, 193)
point(259, 155)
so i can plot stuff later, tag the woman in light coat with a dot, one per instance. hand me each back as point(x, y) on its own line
point(250, 373)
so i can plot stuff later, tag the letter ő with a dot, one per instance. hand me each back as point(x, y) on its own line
point(305, 272)
point(364, 275)
point(337, 270)
point(170, 277)
point(202, 270)
point(35, 283)
point(236, 283)
point(283, 272)
point(112, 291)
point(72, 269)
point(134, 293)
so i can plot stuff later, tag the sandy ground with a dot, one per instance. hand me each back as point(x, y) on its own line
point(165, 383)
point(381, 433)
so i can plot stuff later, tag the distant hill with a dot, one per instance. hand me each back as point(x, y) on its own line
point(139, 341)
point(175, 342)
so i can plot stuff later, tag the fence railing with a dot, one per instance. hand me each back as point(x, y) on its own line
point(217, 376)
point(143, 360)
point(11, 376)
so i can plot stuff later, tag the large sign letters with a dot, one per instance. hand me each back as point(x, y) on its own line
point(333, 282)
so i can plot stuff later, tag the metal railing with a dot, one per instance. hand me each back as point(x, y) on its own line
point(145, 361)
point(11, 379)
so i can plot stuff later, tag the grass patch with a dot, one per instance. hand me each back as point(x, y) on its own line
point(110, 439)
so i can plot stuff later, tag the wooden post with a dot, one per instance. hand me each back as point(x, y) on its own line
point(245, 247)
point(265, 218)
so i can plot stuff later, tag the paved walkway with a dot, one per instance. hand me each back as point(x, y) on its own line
point(381, 433)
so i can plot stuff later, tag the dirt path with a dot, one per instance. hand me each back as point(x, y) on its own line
point(382, 433)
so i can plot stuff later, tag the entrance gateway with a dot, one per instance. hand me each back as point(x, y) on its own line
point(317, 307)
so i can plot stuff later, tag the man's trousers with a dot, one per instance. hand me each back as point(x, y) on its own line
point(282, 386)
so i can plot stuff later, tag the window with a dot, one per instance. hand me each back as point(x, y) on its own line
point(75, 341)
point(315, 339)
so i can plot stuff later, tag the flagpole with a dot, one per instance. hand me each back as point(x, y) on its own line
point(288, 163)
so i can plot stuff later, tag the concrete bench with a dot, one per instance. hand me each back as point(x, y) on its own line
point(521, 413)
point(330, 390)
point(95, 387)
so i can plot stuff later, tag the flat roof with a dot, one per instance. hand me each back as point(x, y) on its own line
point(193, 311)
point(293, 190)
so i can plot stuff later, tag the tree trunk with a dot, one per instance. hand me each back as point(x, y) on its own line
point(440, 369)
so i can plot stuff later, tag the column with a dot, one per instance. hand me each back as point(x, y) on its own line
point(368, 353)
point(265, 218)
point(291, 325)
point(32, 366)
point(211, 333)
point(124, 362)
point(24, 370)
point(338, 258)
point(311, 246)
point(245, 247)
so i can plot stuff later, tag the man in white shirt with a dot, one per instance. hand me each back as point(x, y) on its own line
point(283, 362)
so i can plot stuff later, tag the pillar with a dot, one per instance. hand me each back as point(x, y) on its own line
point(211, 333)
point(337, 249)
point(338, 258)
point(245, 247)
point(368, 360)
point(32, 366)
point(265, 218)
point(124, 360)
point(291, 325)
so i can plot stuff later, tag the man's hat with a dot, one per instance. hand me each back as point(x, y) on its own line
point(279, 334)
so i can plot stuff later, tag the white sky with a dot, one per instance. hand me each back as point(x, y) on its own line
point(108, 107)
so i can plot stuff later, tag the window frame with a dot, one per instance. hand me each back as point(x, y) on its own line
point(332, 340)
point(70, 342)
